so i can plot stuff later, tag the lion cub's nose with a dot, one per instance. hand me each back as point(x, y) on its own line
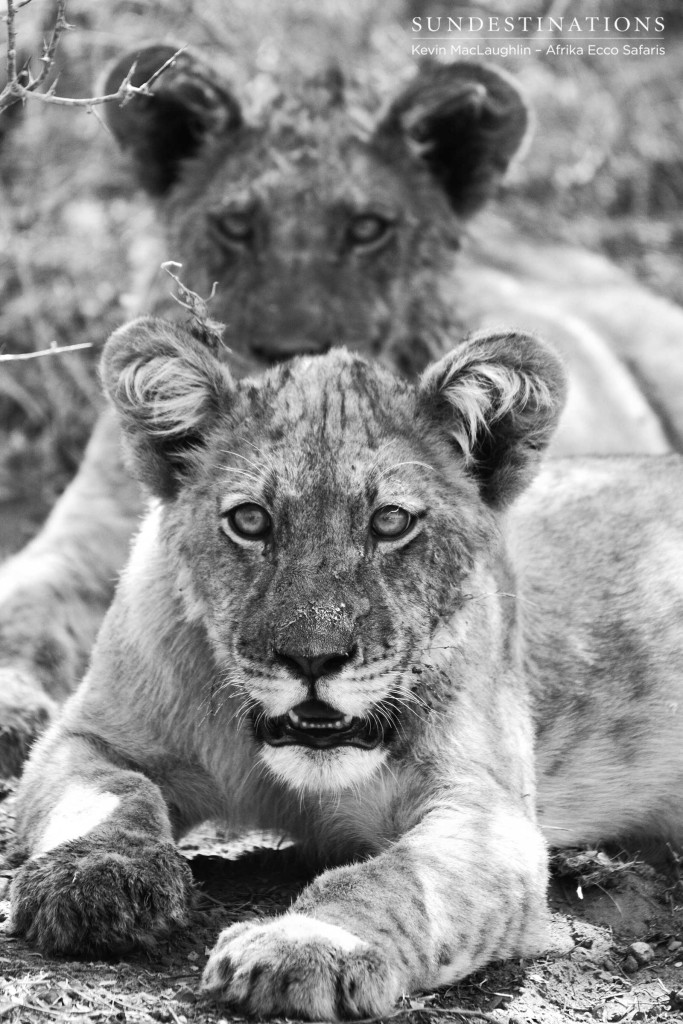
point(313, 668)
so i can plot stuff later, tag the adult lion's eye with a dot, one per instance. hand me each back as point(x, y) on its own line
point(250, 521)
point(391, 521)
point(368, 228)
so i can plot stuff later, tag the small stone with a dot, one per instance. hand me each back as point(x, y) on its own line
point(47, 994)
point(185, 995)
point(630, 965)
point(674, 945)
point(642, 952)
point(193, 956)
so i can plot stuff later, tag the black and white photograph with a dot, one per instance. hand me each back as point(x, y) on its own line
point(341, 511)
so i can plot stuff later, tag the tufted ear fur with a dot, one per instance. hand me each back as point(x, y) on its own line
point(499, 397)
point(189, 104)
point(465, 121)
point(168, 389)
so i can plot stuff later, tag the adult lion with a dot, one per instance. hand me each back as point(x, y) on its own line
point(347, 617)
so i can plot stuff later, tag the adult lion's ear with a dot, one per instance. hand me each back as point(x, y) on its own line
point(465, 121)
point(499, 397)
point(168, 390)
point(187, 105)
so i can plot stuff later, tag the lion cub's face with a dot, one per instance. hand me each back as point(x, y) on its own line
point(323, 520)
point(335, 533)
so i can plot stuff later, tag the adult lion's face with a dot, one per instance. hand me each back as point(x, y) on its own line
point(325, 518)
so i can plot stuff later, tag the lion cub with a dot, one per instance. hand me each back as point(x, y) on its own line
point(334, 624)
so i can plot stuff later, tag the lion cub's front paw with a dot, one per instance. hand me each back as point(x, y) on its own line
point(102, 896)
point(297, 966)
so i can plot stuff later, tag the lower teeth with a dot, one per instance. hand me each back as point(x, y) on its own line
point(336, 725)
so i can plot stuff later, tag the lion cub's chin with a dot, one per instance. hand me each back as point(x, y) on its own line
point(322, 771)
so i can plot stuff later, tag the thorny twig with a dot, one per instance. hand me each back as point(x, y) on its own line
point(436, 1011)
point(22, 85)
point(53, 350)
point(11, 44)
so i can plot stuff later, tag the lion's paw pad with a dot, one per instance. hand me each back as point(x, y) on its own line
point(297, 966)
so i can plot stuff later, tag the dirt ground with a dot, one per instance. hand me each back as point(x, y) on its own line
point(605, 171)
point(593, 973)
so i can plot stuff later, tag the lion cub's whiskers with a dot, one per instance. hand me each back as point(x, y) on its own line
point(397, 465)
point(493, 593)
point(254, 465)
point(241, 471)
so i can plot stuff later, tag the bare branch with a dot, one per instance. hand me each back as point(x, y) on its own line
point(53, 350)
point(21, 85)
point(49, 51)
point(435, 1011)
point(11, 43)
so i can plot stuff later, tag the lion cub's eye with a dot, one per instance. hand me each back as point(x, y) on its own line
point(367, 229)
point(391, 521)
point(249, 521)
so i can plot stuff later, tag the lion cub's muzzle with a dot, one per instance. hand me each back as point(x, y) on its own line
point(314, 723)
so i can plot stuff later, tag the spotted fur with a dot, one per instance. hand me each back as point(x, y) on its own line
point(520, 691)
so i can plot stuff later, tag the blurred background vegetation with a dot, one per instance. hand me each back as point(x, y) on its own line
point(605, 170)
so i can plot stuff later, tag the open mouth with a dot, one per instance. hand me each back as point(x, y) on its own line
point(316, 724)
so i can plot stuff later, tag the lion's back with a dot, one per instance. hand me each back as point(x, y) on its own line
point(599, 544)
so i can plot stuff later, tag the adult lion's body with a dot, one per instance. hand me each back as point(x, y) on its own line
point(343, 622)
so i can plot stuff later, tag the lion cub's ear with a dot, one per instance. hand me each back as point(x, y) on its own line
point(499, 397)
point(168, 389)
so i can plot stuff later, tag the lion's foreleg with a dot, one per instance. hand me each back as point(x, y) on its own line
point(102, 873)
point(53, 594)
point(460, 889)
